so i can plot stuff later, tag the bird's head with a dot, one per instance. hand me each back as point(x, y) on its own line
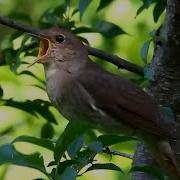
point(60, 45)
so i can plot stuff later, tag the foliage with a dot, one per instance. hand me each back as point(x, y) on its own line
point(73, 154)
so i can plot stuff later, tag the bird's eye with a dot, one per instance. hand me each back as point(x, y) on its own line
point(60, 38)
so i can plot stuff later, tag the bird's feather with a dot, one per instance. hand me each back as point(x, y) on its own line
point(124, 101)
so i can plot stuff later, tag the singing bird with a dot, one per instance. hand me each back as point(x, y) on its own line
point(83, 91)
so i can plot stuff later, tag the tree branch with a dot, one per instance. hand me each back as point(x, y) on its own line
point(166, 84)
point(114, 59)
point(119, 62)
point(16, 25)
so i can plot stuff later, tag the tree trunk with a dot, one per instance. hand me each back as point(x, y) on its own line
point(166, 86)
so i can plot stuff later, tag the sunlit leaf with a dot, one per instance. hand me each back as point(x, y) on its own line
point(37, 141)
point(83, 4)
point(144, 50)
point(150, 170)
point(108, 29)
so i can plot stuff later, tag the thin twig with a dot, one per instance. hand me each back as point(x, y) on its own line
point(117, 153)
point(119, 62)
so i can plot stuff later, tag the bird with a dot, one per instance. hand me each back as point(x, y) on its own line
point(83, 91)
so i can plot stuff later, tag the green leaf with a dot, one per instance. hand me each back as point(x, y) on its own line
point(60, 10)
point(149, 73)
point(69, 174)
point(37, 141)
point(103, 4)
point(146, 5)
point(84, 40)
point(33, 107)
point(63, 165)
point(85, 157)
point(153, 34)
point(29, 73)
point(9, 154)
point(111, 139)
point(83, 4)
point(140, 10)
point(75, 146)
point(107, 166)
point(47, 131)
point(21, 16)
point(82, 29)
point(150, 170)
point(74, 12)
point(96, 147)
point(15, 35)
point(73, 131)
point(144, 50)
point(159, 9)
point(49, 18)
point(107, 29)
point(169, 113)
point(1, 92)
point(12, 59)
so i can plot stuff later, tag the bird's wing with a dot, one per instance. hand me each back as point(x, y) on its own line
point(124, 101)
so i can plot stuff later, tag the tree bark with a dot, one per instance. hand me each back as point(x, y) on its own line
point(166, 85)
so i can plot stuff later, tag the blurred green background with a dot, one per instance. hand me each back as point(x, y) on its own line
point(14, 122)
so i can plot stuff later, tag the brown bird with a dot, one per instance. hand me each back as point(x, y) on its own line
point(83, 91)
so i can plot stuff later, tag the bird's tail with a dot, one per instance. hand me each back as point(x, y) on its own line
point(164, 155)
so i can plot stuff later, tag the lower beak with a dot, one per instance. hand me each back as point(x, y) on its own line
point(45, 44)
point(44, 47)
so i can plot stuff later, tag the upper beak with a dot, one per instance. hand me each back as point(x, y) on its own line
point(45, 44)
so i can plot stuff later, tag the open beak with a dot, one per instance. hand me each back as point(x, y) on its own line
point(45, 44)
